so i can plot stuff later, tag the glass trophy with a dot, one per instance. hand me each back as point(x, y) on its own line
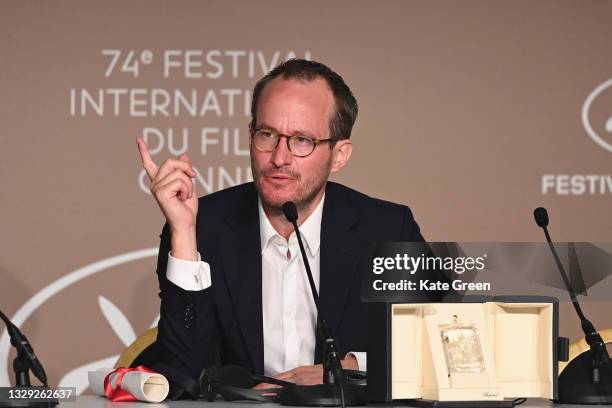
point(462, 348)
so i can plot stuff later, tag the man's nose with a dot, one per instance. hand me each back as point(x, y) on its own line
point(281, 156)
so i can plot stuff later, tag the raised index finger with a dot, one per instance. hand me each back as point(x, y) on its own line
point(147, 162)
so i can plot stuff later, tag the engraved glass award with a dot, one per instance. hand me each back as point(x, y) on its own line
point(461, 344)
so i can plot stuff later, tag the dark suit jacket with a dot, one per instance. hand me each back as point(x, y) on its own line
point(227, 317)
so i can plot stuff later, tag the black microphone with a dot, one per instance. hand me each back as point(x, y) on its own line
point(592, 337)
point(290, 211)
point(24, 350)
point(291, 214)
point(332, 367)
point(541, 217)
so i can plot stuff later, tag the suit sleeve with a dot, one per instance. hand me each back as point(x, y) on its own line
point(188, 324)
point(412, 233)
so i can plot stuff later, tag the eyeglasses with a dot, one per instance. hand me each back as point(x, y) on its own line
point(266, 140)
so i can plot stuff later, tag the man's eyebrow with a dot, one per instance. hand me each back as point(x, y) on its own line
point(264, 125)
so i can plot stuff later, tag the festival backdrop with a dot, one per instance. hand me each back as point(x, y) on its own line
point(472, 113)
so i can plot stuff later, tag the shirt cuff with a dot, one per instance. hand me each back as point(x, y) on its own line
point(188, 275)
point(362, 359)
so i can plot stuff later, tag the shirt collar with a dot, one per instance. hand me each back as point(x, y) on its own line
point(310, 229)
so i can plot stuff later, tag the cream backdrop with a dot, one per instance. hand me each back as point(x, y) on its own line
point(471, 112)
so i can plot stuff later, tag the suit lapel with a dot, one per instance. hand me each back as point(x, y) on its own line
point(339, 255)
point(243, 272)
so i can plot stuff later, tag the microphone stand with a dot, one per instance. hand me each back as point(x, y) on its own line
point(332, 368)
point(22, 364)
point(573, 387)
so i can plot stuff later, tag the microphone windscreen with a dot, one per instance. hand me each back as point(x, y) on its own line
point(290, 211)
point(541, 217)
point(236, 376)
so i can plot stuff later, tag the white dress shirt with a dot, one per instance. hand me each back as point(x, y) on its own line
point(289, 312)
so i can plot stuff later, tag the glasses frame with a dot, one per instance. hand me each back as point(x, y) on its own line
point(279, 135)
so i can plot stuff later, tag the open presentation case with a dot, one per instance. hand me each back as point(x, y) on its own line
point(478, 349)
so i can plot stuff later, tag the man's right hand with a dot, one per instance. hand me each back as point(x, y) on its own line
point(174, 191)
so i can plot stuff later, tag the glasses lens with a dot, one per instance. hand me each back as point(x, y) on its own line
point(301, 146)
point(265, 140)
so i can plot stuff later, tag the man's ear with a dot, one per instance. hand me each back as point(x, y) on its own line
point(341, 154)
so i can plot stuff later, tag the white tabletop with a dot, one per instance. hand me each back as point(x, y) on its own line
point(90, 401)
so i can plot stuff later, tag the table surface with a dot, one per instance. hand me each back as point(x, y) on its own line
point(91, 401)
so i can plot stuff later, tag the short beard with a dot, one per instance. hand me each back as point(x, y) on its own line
point(302, 201)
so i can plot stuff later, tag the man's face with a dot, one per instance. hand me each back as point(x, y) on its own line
point(293, 107)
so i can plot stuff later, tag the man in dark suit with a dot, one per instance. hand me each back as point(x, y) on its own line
point(231, 277)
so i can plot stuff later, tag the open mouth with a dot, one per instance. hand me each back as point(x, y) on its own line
point(279, 179)
point(279, 176)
